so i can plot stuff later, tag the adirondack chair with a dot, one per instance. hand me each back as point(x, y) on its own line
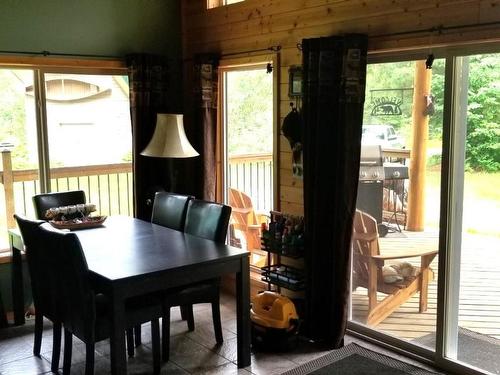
point(367, 271)
point(244, 218)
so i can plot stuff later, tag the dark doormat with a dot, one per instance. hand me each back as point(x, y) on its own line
point(474, 349)
point(356, 360)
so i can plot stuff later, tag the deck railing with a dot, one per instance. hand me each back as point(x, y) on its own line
point(110, 186)
point(253, 174)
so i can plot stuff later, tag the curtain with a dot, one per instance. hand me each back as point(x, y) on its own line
point(148, 81)
point(206, 94)
point(334, 71)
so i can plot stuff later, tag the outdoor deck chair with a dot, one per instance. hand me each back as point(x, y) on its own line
point(367, 271)
point(245, 219)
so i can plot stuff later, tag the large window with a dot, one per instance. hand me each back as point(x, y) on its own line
point(63, 130)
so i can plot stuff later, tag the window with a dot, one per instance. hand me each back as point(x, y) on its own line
point(55, 132)
point(218, 3)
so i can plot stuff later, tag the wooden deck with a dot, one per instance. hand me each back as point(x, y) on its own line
point(479, 309)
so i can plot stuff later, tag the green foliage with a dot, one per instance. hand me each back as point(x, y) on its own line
point(250, 112)
point(483, 114)
point(13, 116)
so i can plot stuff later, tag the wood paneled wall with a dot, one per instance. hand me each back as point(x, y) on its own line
point(259, 24)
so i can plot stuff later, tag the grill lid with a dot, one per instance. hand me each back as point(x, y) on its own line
point(371, 164)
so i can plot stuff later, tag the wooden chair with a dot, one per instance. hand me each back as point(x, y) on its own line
point(367, 271)
point(245, 219)
point(207, 220)
point(43, 202)
point(85, 313)
point(42, 285)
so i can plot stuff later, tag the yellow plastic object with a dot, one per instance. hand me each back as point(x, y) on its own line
point(272, 310)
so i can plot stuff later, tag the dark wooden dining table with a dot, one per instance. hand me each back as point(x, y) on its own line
point(128, 257)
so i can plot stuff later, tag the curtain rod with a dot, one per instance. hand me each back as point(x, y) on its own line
point(48, 53)
point(439, 29)
point(276, 48)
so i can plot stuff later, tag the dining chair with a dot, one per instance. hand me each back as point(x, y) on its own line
point(169, 210)
point(43, 283)
point(84, 313)
point(43, 202)
point(207, 220)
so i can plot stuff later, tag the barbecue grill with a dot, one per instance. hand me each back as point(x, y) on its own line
point(372, 174)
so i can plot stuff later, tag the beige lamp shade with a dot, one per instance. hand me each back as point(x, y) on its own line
point(169, 139)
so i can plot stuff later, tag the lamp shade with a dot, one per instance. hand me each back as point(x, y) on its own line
point(169, 139)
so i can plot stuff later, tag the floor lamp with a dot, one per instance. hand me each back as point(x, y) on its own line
point(169, 141)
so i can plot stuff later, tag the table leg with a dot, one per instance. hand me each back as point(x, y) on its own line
point(17, 284)
point(117, 337)
point(243, 313)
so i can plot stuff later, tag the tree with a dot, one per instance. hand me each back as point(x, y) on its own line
point(483, 114)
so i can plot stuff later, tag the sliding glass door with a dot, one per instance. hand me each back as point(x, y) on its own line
point(472, 310)
point(438, 132)
point(398, 190)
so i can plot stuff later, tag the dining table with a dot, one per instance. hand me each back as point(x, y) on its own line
point(128, 257)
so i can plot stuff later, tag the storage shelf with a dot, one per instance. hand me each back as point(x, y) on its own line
point(276, 247)
point(284, 276)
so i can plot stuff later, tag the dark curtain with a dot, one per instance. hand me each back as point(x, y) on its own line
point(205, 118)
point(334, 71)
point(148, 81)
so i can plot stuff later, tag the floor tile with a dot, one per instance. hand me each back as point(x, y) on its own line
point(26, 366)
point(192, 356)
point(269, 364)
point(225, 369)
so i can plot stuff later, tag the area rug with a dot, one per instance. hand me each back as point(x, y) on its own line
point(474, 348)
point(356, 360)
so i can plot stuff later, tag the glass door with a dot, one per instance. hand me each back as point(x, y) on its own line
point(248, 128)
point(398, 192)
point(472, 311)
point(441, 129)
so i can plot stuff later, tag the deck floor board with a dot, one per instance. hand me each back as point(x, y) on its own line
point(479, 306)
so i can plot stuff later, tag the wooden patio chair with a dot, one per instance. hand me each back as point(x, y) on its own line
point(245, 219)
point(367, 271)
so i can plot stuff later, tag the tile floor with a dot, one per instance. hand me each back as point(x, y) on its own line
point(190, 352)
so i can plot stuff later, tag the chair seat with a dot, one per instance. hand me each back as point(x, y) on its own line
point(137, 310)
point(201, 292)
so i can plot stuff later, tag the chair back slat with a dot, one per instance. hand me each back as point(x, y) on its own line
point(362, 249)
point(43, 202)
point(169, 210)
point(207, 220)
